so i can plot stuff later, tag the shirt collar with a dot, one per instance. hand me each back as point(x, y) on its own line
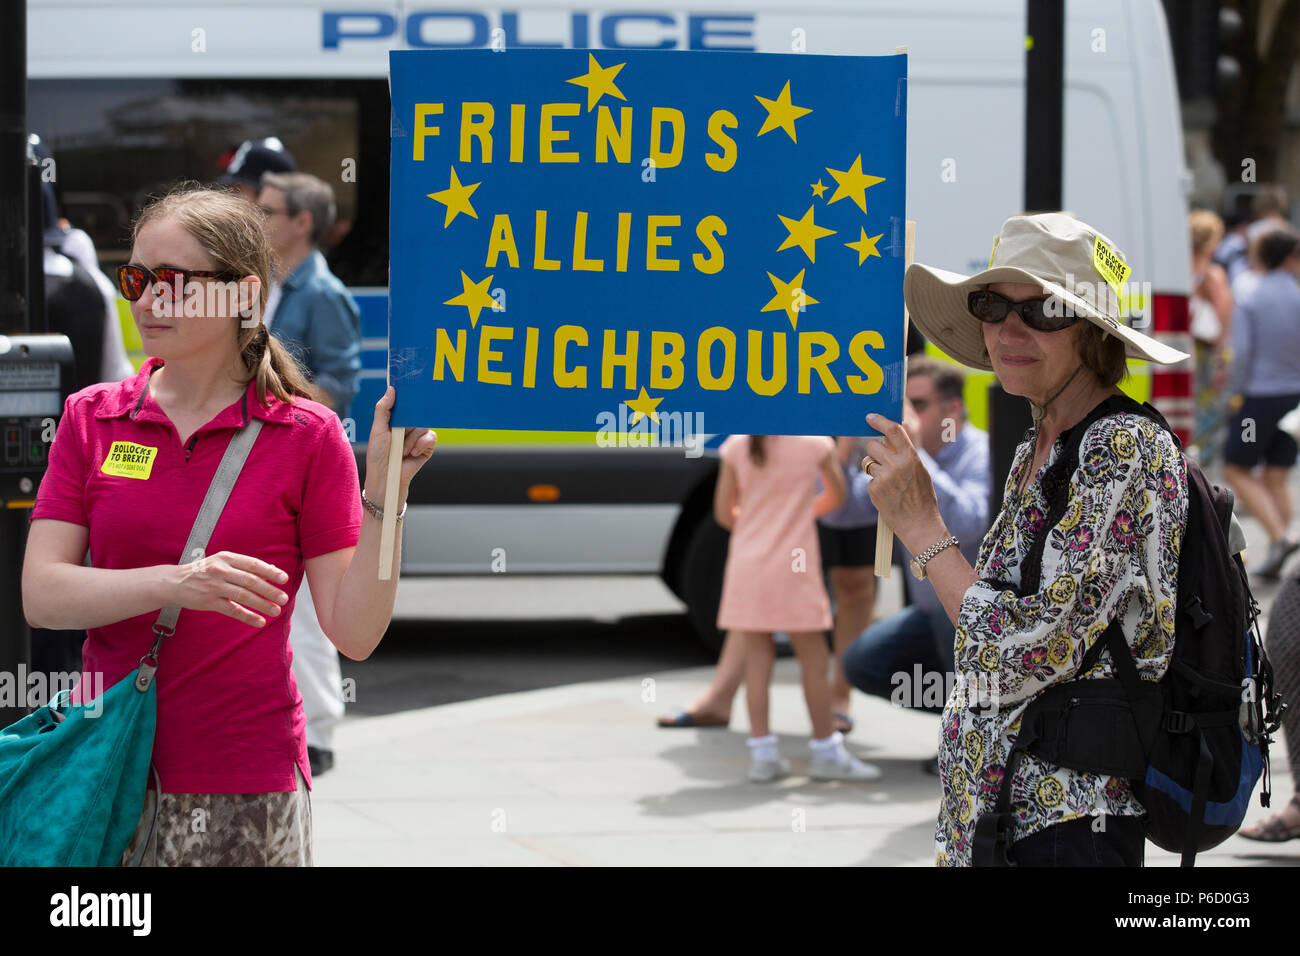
point(133, 400)
point(305, 270)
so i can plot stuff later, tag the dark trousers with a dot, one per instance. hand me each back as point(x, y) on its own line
point(883, 661)
point(1088, 841)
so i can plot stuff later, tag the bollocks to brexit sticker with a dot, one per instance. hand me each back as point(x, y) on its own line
point(1109, 265)
point(129, 460)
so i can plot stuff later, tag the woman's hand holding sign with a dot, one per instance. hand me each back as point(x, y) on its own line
point(902, 492)
point(900, 486)
point(363, 595)
point(417, 448)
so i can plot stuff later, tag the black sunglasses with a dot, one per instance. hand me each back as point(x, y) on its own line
point(133, 280)
point(993, 308)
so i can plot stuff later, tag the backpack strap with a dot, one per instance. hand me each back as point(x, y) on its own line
point(214, 502)
point(1056, 480)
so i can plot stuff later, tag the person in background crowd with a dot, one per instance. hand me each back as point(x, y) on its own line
point(956, 456)
point(1211, 321)
point(316, 319)
point(1232, 245)
point(78, 306)
point(847, 537)
point(1269, 209)
point(1283, 645)
point(1265, 385)
point(767, 497)
point(73, 307)
point(70, 252)
point(314, 315)
point(250, 160)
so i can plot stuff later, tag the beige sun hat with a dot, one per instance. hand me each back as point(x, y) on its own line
point(1067, 258)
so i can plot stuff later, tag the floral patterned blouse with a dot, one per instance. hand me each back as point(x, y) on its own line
point(1113, 555)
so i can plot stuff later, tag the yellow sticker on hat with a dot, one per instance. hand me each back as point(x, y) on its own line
point(1109, 265)
point(994, 250)
point(129, 460)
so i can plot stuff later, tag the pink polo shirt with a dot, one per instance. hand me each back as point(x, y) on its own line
point(230, 718)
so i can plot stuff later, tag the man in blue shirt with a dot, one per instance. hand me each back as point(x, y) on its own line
point(908, 657)
point(314, 316)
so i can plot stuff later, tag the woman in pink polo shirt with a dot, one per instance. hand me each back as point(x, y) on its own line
point(230, 738)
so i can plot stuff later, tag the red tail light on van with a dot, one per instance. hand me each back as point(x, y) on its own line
point(1171, 385)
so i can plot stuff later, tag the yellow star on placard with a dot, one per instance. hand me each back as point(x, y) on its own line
point(781, 113)
point(853, 184)
point(474, 297)
point(865, 247)
point(804, 233)
point(818, 189)
point(644, 405)
point(598, 80)
point(456, 198)
point(787, 298)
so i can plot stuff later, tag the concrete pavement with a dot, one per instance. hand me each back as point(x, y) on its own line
point(578, 775)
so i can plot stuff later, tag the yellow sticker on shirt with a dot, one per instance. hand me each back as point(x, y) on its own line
point(129, 460)
point(1109, 265)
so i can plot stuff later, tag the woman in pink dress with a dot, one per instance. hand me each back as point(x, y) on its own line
point(767, 497)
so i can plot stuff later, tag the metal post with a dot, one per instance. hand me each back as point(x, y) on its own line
point(16, 277)
point(13, 172)
point(1044, 104)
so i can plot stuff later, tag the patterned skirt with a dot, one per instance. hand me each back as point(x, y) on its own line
point(226, 829)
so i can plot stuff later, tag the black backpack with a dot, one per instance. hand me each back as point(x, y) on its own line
point(1193, 744)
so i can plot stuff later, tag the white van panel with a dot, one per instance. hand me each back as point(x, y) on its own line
point(1123, 169)
point(532, 539)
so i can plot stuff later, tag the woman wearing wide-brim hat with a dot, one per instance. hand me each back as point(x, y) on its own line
point(1045, 318)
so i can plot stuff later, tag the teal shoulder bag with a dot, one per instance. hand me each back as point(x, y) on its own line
point(73, 778)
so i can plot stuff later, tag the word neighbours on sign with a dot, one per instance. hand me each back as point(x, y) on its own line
point(715, 233)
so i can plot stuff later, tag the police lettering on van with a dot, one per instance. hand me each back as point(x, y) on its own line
point(470, 30)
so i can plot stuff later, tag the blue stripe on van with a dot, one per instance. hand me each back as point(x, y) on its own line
point(373, 305)
point(374, 313)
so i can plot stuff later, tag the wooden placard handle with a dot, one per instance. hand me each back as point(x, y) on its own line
point(884, 533)
point(388, 532)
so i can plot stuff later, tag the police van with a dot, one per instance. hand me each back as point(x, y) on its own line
point(133, 96)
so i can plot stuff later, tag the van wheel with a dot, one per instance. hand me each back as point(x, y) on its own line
point(701, 580)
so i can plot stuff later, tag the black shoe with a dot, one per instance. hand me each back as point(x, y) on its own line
point(320, 760)
point(930, 766)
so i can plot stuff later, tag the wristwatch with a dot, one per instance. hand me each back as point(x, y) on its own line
point(921, 560)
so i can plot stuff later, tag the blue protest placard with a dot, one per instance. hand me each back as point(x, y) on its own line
point(715, 234)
